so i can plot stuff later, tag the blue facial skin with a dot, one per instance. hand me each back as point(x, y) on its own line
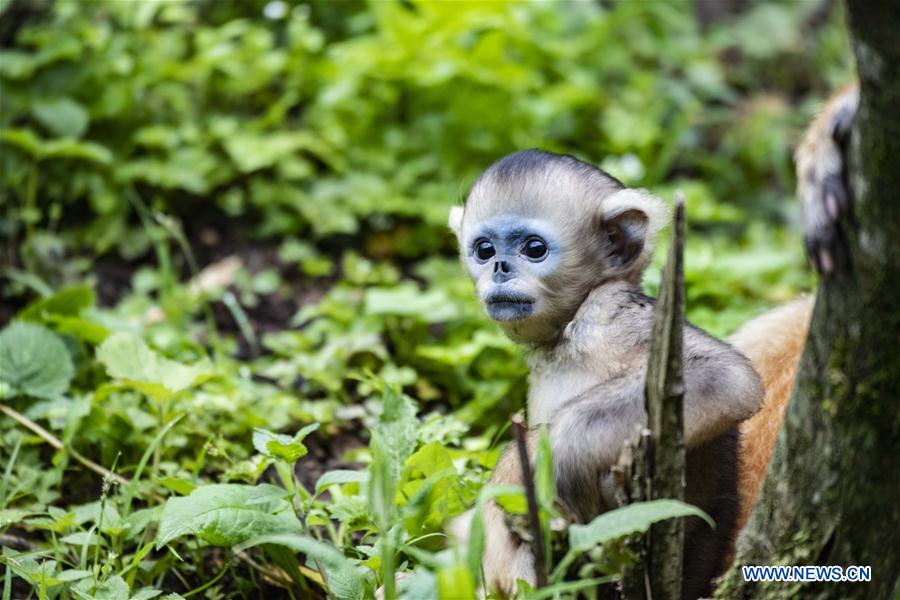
point(505, 254)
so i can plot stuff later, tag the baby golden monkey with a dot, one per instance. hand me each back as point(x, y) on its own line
point(557, 248)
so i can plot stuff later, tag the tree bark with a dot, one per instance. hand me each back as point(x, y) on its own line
point(665, 418)
point(653, 466)
point(832, 493)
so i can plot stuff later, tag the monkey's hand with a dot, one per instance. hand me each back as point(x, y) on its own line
point(822, 180)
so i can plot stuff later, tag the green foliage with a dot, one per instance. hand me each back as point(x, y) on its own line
point(34, 361)
point(313, 417)
point(227, 514)
point(634, 518)
point(129, 361)
point(283, 447)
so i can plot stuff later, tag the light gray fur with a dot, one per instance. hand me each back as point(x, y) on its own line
point(589, 388)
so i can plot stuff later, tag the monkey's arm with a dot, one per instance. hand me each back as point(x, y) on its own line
point(721, 389)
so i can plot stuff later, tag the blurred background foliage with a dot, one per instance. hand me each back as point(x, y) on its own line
point(302, 158)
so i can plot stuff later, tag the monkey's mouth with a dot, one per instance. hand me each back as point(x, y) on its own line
point(509, 307)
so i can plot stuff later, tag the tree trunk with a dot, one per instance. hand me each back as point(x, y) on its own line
point(832, 493)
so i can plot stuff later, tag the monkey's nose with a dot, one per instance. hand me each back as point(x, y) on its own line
point(502, 271)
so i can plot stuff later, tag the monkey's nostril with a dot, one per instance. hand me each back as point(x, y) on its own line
point(502, 271)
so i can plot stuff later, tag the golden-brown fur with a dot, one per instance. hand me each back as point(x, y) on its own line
point(773, 343)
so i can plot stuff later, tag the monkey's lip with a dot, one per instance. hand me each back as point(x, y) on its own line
point(508, 300)
point(507, 307)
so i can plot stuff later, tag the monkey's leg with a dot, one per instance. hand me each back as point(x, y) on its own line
point(506, 556)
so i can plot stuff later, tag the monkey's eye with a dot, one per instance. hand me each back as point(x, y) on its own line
point(535, 249)
point(484, 250)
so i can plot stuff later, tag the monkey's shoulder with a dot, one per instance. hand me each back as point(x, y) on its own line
point(607, 335)
point(617, 320)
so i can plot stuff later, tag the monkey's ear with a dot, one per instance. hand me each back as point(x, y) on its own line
point(630, 223)
point(455, 221)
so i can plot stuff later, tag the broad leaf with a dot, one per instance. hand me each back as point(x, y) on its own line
point(634, 518)
point(432, 485)
point(34, 360)
point(113, 588)
point(127, 358)
point(62, 116)
point(432, 306)
point(62, 312)
point(227, 514)
point(68, 302)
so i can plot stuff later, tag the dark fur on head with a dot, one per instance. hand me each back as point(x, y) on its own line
point(516, 166)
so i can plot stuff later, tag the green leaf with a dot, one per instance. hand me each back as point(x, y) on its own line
point(127, 358)
point(62, 311)
point(71, 575)
point(39, 149)
point(340, 476)
point(178, 485)
point(421, 585)
point(433, 487)
point(227, 514)
point(455, 582)
point(432, 306)
point(253, 151)
point(545, 481)
point(393, 441)
point(397, 427)
point(34, 360)
point(62, 116)
point(12, 516)
point(114, 588)
point(80, 538)
point(283, 447)
point(68, 302)
point(513, 502)
point(634, 518)
point(79, 328)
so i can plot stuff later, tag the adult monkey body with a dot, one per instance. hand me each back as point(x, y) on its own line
point(557, 248)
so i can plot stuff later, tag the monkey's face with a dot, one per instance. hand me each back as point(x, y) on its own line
point(540, 230)
point(512, 260)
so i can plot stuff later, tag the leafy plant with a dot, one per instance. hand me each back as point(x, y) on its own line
point(230, 295)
